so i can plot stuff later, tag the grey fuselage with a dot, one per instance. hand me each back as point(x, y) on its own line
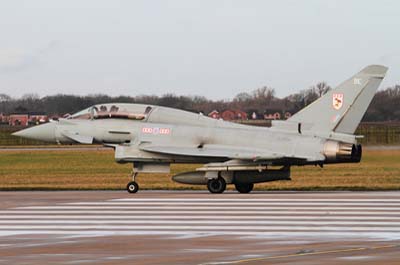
point(189, 131)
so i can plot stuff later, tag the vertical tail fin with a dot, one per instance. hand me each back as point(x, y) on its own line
point(341, 109)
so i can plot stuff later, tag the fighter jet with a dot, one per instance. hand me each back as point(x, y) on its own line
point(153, 137)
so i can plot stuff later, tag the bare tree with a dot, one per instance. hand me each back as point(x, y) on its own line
point(242, 97)
point(384, 106)
point(4, 98)
point(321, 88)
point(264, 93)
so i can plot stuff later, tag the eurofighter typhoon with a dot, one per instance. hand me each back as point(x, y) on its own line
point(153, 137)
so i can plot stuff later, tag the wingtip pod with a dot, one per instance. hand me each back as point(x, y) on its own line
point(375, 70)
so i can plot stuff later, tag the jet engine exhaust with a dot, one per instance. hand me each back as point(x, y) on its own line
point(342, 152)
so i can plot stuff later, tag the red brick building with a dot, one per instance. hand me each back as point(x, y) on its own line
point(230, 115)
point(214, 114)
point(18, 120)
point(277, 115)
point(38, 118)
point(272, 116)
point(3, 118)
point(287, 115)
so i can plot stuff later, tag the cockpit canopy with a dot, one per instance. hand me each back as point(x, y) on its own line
point(114, 111)
point(148, 113)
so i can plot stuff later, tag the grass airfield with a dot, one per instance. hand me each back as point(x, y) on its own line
point(96, 169)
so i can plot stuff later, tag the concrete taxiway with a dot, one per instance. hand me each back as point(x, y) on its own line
point(182, 227)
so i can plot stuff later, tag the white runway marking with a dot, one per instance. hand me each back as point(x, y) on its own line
point(303, 203)
point(199, 222)
point(219, 212)
point(319, 217)
point(201, 227)
point(228, 207)
point(250, 200)
point(191, 233)
point(201, 217)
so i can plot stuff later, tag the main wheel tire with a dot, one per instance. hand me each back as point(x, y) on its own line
point(132, 187)
point(217, 185)
point(244, 187)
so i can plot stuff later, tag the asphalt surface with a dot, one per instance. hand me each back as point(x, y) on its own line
point(179, 227)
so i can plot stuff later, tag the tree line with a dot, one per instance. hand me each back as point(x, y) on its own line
point(384, 106)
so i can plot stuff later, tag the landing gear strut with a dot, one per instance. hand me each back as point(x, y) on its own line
point(217, 185)
point(132, 186)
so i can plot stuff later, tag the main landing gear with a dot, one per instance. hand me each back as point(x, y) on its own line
point(244, 187)
point(217, 185)
point(132, 186)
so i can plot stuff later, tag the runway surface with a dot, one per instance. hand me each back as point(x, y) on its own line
point(184, 227)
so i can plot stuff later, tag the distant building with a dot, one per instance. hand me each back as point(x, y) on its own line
point(230, 115)
point(3, 118)
point(287, 115)
point(272, 116)
point(24, 119)
point(276, 114)
point(38, 118)
point(18, 120)
point(214, 114)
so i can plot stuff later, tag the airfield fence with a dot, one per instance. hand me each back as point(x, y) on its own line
point(379, 133)
point(375, 133)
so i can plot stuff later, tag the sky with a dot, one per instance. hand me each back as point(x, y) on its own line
point(211, 48)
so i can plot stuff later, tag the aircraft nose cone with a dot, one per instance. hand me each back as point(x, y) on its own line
point(44, 132)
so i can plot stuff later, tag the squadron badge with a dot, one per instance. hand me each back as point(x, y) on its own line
point(337, 101)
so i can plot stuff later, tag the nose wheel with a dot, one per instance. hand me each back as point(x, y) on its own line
point(132, 186)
